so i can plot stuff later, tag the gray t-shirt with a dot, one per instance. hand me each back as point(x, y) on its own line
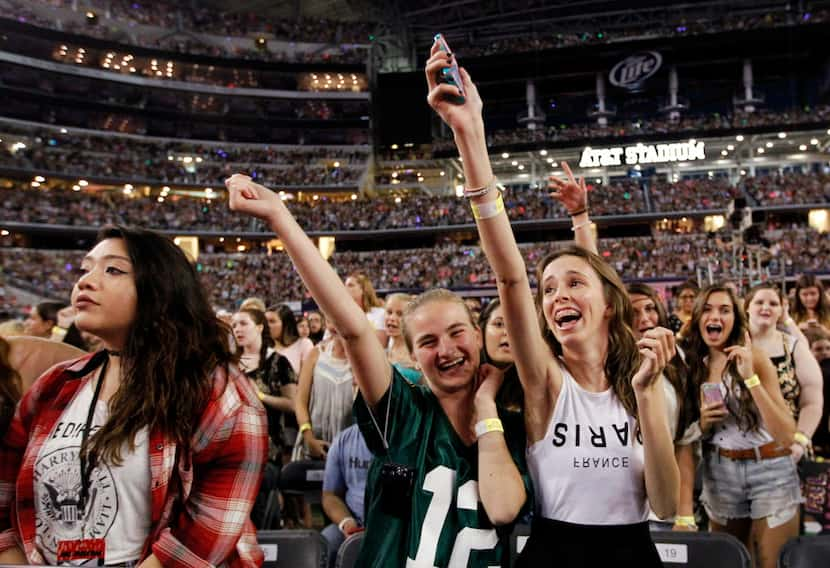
point(347, 466)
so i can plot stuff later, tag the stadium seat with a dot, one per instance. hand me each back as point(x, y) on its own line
point(805, 552)
point(518, 539)
point(304, 478)
point(349, 550)
point(293, 549)
point(701, 550)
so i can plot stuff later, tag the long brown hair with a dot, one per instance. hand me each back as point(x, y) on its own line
point(823, 306)
point(172, 349)
point(369, 298)
point(623, 358)
point(697, 350)
point(11, 387)
point(676, 371)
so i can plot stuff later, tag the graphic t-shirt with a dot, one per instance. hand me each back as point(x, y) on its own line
point(118, 502)
point(347, 465)
point(443, 523)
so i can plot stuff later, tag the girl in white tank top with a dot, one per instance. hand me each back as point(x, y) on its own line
point(585, 317)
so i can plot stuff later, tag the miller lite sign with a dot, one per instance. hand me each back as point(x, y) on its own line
point(634, 70)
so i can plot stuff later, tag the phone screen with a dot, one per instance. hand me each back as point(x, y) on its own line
point(712, 393)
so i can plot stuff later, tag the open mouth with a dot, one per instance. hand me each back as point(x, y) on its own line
point(566, 318)
point(504, 345)
point(451, 364)
point(714, 331)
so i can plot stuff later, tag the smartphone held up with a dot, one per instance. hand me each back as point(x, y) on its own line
point(450, 75)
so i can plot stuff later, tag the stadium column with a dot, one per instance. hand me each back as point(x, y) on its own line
point(602, 117)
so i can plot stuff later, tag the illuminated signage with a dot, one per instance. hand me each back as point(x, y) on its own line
point(632, 72)
point(642, 154)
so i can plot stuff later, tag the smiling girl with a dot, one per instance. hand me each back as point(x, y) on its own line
point(441, 448)
point(599, 447)
point(750, 484)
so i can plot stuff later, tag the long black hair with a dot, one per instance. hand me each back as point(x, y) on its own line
point(173, 346)
point(511, 395)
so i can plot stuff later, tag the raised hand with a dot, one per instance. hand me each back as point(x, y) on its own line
point(656, 349)
point(247, 196)
point(571, 194)
point(742, 355)
point(458, 117)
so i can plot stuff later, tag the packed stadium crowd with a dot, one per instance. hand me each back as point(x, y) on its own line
point(523, 202)
point(638, 127)
point(793, 249)
point(149, 25)
point(167, 406)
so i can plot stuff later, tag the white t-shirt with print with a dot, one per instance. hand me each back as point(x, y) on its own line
point(118, 504)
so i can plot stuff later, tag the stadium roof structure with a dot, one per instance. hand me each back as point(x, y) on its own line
point(342, 10)
point(502, 19)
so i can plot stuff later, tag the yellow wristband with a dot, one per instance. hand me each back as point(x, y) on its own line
point(687, 521)
point(489, 209)
point(305, 426)
point(752, 381)
point(260, 394)
point(801, 439)
point(488, 425)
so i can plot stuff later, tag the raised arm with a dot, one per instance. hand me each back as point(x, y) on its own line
point(767, 394)
point(573, 196)
point(368, 358)
point(535, 364)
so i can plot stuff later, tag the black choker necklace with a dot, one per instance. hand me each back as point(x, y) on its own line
point(113, 353)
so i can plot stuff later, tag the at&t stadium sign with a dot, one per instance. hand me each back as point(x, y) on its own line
point(642, 154)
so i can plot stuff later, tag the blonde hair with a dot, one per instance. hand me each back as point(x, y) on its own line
point(252, 304)
point(428, 297)
point(369, 298)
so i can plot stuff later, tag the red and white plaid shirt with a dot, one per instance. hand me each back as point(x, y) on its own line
point(216, 483)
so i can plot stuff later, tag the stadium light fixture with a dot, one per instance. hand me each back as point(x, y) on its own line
point(739, 138)
point(724, 153)
point(35, 184)
point(730, 147)
point(397, 200)
point(761, 150)
point(514, 163)
point(76, 187)
point(521, 166)
point(814, 141)
point(160, 199)
point(782, 135)
point(769, 144)
point(803, 147)
point(505, 155)
point(83, 183)
point(354, 197)
point(40, 179)
point(4, 233)
point(441, 173)
point(543, 152)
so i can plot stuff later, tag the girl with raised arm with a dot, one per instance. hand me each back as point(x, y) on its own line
point(599, 447)
point(750, 484)
point(440, 448)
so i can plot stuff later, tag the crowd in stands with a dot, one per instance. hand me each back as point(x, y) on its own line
point(692, 194)
point(678, 27)
point(789, 189)
point(231, 276)
point(324, 213)
point(149, 24)
point(650, 126)
point(87, 155)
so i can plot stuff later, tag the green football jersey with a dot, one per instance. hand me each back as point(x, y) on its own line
point(444, 524)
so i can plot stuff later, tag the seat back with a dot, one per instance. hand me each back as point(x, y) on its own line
point(349, 551)
point(518, 539)
point(700, 550)
point(293, 549)
point(805, 552)
point(304, 477)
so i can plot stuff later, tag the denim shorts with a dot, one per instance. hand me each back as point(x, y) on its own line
point(737, 489)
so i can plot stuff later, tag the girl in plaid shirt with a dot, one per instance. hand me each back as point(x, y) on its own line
point(149, 452)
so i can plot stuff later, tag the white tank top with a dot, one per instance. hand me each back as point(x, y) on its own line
point(588, 469)
point(728, 434)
